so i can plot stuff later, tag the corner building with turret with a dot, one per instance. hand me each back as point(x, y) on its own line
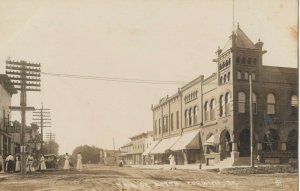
point(207, 120)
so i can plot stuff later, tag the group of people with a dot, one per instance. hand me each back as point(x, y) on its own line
point(11, 163)
point(67, 162)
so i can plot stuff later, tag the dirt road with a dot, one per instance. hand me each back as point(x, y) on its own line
point(101, 178)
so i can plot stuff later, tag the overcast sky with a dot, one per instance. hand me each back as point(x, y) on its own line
point(160, 40)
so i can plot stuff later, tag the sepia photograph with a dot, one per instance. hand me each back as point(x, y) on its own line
point(147, 95)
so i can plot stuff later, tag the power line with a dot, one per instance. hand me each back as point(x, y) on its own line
point(115, 79)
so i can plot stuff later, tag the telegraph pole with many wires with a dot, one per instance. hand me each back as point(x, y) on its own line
point(42, 118)
point(50, 136)
point(25, 77)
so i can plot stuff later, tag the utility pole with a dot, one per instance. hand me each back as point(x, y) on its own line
point(50, 136)
point(25, 77)
point(43, 119)
point(251, 121)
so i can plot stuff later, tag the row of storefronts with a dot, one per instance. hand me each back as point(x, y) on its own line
point(208, 120)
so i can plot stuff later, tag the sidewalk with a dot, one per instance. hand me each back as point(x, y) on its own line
point(180, 167)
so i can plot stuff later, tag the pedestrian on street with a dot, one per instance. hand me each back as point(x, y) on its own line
point(29, 163)
point(43, 164)
point(172, 162)
point(1, 164)
point(10, 163)
point(79, 161)
point(18, 164)
point(67, 163)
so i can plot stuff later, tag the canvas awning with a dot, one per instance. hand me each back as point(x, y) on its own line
point(147, 151)
point(210, 141)
point(188, 140)
point(164, 145)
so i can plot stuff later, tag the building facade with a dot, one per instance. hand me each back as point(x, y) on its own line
point(208, 119)
point(6, 92)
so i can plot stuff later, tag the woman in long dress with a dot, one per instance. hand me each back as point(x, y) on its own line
point(18, 164)
point(43, 164)
point(79, 161)
point(67, 163)
point(172, 162)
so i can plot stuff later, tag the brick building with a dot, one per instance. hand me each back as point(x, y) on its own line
point(207, 120)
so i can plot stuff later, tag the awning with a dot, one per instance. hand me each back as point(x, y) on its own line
point(164, 145)
point(189, 140)
point(210, 141)
point(153, 144)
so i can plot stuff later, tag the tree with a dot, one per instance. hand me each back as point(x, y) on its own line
point(54, 147)
point(90, 154)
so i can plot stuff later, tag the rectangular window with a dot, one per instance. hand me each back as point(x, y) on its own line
point(172, 124)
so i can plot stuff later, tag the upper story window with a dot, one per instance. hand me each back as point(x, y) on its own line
point(254, 61)
point(212, 109)
point(177, 119)
point(227, 97)
point(239, 75)
point(221, 105)
point(238, 59)
point(159, 125)
point(186, 117)
point(228, 76)
point(221, 80)
point(195, 114)
point(172, 123)
point(294, 104)
point(241, 102)
point(254, 103)
point(271, 103)
point(206, 110)
point(155, 127)
point(243, 60)
point(246, 75)
point(249, 61)
point(253, 77)
point(190, 117)
point(225, 78)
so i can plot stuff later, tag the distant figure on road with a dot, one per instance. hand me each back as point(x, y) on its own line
point(172, 162)
point(43, 164)
point(79, 161)
point(67, 163)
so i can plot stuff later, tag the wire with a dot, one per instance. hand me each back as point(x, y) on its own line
point(114, 79)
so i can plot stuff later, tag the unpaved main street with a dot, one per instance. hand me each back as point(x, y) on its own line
point(101, 178)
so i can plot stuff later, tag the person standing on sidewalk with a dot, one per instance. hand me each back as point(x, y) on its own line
point(29, 163)
point(67, 162)
point(43, 164)
point(79, 161)
point(1, 164)
point(18, 164)
point(172, 162)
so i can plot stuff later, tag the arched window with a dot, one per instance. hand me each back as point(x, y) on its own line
point(271, 102)
point(253, 76)
point(206, 109)
point(239, 75)
point(221, 80)
point(224, 78)
point(195, 115)
point(241, 102)
point(294, 104)
point(228, 76)
point(221, 100)
point(227, 97)
point(191, 117)
point(246, 75)
point(254, 103)
point(212, 109)
point(186, 117)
